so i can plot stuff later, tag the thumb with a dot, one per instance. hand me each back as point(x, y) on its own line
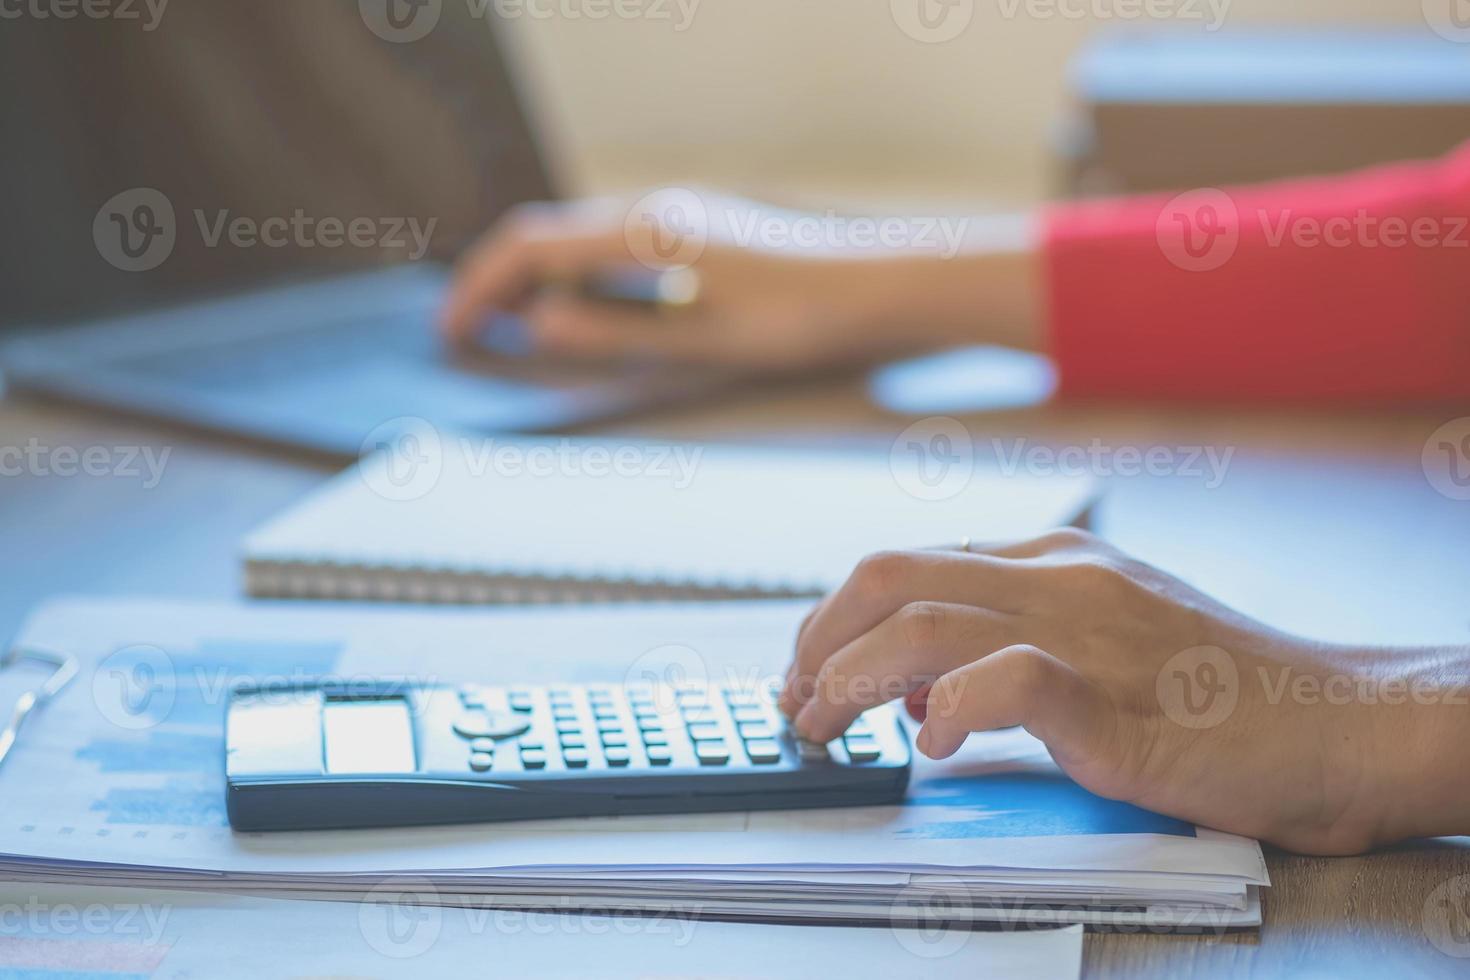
point(1019, 685)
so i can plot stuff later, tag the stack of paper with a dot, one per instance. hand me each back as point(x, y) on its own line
point(121, 780)
point(168, 934)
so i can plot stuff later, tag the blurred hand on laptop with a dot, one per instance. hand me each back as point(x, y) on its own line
point(758, 306)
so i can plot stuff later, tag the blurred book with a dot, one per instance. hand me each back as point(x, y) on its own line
point(1159, 111)
point(439, 518)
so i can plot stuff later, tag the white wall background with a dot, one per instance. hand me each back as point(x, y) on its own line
point(813, 98)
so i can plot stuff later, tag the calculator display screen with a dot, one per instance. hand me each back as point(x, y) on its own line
point(368, 735)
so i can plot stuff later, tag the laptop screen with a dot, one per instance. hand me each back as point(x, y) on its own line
point(157, 150)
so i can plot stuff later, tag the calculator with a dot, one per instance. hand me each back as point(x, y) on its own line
point(322, 755)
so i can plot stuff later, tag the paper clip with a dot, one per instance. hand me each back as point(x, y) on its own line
point(65, 669)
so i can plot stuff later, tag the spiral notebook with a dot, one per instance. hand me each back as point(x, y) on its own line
point(491, 521)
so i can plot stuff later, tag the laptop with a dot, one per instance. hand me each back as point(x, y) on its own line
point(163, 140)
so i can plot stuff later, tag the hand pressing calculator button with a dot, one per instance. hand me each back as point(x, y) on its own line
point(315, 756)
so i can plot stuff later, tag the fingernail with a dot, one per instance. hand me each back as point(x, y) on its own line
point(803, 721)
point(921, 741)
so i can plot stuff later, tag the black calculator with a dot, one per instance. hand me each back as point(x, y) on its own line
point(334, 755)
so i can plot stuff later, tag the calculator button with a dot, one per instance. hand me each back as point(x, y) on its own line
point(812, 751)
point(471, 697)
point(862, 749)
point(756, 729)
point(530, 746)
point(563, 712)
point(659, 755)
point(573, 740)
point(645, 711)
point(763, 752)
point(655, 738)
point(614, 738)
point(859, 727)
point(609, 725)
point(712, 753)
point(617, 757)
point(533, 759)
point(481, 761)
point(478, 723)
point(568, 725)
point(521, 702)
point(706, 733)
point(482, 745)
point(748, 714)
point(575, 758)
point(601, 711)
point(700, 716)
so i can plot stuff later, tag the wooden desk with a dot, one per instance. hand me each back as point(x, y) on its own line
point(1322, 524)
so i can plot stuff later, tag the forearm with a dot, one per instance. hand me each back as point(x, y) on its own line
point(1344, 288)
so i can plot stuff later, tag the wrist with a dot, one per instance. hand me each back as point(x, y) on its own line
point(990, 292)
point(1420, 734)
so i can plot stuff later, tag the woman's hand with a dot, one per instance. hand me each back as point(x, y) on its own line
point(772, 309)
point(1144, 690)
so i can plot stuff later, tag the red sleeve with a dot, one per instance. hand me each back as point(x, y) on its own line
point(1344, 288)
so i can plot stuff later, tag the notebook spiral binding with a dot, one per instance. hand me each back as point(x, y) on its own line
point(335, 581)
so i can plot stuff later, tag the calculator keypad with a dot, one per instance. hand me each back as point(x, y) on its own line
point(609, 728)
